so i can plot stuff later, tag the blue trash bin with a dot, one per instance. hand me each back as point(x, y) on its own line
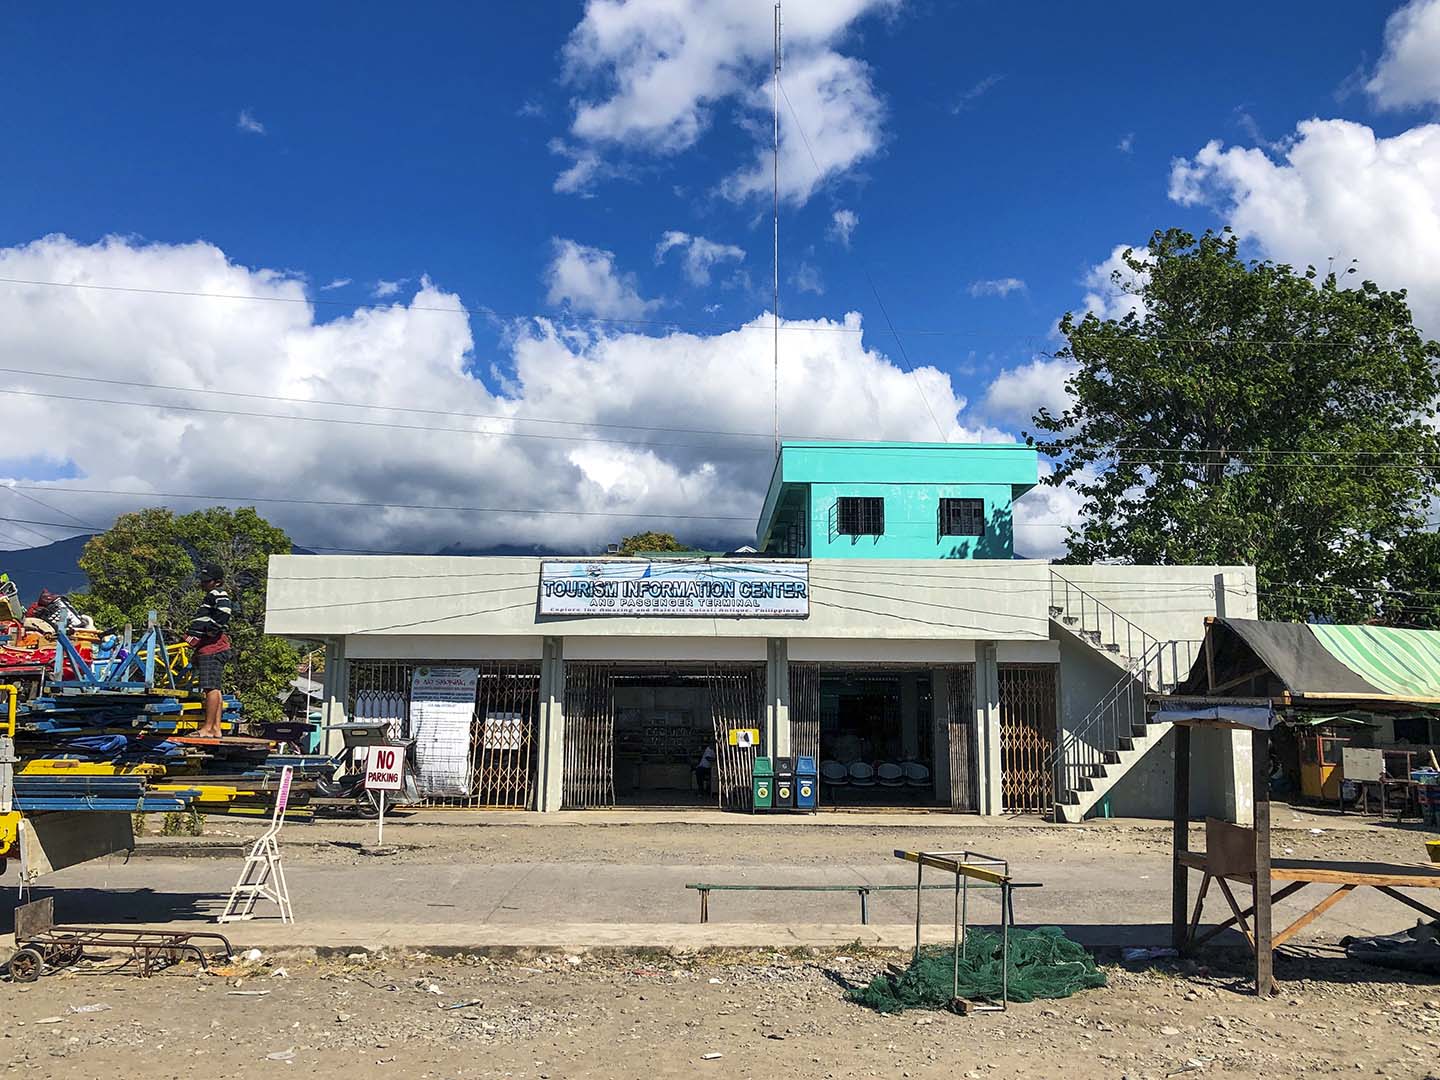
point(807, 784)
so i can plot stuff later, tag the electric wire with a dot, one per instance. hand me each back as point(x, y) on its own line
point(173, 407)
point(678, 324)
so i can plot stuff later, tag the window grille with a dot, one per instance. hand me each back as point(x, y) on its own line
point(962, 517)
point(860, 516)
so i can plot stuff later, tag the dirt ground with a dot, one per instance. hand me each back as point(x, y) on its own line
point(743, 1015)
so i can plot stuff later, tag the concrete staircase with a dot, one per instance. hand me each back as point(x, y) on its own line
point(1092, 756)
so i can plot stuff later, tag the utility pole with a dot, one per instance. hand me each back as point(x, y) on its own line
point(775, 168)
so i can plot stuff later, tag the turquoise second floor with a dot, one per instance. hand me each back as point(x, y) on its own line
point(830, 500)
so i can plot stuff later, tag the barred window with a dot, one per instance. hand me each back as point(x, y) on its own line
point(860, 517)
point(962, 517)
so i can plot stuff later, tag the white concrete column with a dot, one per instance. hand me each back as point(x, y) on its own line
point(1237, 751)
point(1240, 790)
point(987, 729)
point(334, 690)
point(940, 738)
point(551, 782)
point(777, 699)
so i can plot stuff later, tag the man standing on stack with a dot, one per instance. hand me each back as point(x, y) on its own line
point(211, 644)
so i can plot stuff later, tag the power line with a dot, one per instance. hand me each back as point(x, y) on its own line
point(26, 524)
point(1379, 467)
point(329, 402)
point(1269, 452)
point(345, 421)
point(387, 408)
point(672, 324)
point(377, 423)
point(15, 488)
point(51, 524)
point(387, 505)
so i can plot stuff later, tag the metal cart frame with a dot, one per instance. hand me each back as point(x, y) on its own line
point(42, 944)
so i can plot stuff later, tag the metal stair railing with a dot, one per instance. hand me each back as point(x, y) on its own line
point(1082, 751)
point(1151, 665)
point(1089, 618)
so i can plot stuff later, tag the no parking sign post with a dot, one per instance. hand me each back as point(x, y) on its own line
point(384, 772)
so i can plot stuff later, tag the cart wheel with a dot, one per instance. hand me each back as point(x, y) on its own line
point(70, 954)
point(371, 802)
point(27, 965)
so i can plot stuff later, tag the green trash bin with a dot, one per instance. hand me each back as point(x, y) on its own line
point(762, 785)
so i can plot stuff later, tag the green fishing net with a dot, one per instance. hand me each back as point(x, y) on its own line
point(1044, 963)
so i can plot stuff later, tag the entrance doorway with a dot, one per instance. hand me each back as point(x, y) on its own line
point(1028, 716)
point(492, 748)
point(641, 735)
point(872, 729)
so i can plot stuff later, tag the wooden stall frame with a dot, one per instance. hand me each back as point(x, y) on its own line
point(1235, 853)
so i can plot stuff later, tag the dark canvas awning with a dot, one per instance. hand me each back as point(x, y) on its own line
point(1324, 663)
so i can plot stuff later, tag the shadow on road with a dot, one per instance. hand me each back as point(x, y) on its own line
point(118, 906)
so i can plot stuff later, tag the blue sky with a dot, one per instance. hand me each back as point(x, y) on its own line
point(1014, 143)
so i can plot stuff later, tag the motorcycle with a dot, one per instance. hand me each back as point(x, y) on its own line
point(345, 787)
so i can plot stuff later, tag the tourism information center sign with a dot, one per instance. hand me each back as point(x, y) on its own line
point(758, 589)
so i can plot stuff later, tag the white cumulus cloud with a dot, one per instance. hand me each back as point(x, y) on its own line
point(1041, 517)
point(807, 278)
point(1112, 287)
point(586, 280)
point(1018, 393)
point(247, 123)
point(1408, 74)
point(843, 224)
point(652, 74)
point(1338, 192)
point(427, 436)
point(1001, 287)
point(700, 254)
point(837, 123)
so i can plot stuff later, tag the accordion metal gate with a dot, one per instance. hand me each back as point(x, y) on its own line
point(960, 731)
point(736, 698)
point(503, 730)
point(805, 709)
point(1028, 712)
point(589, 778)
point(737, 702)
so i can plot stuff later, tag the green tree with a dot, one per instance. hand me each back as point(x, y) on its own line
point(1247, 412)
point(651, 541)
point(148, 561)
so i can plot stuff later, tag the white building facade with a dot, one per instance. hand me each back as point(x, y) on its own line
point(966, 685)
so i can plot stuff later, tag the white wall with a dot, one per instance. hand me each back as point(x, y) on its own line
point(1148, 789)
point(442, 647)
point(1168, 602)
point(665, 648)
point(405, 596)
point(851, 651)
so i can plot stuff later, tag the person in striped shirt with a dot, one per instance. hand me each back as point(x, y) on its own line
point(211, 644)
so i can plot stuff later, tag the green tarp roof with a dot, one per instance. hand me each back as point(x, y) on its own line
point(1326, 661)
point(1405, 663)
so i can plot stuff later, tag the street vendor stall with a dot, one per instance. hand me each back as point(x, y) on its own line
point(1258, 676)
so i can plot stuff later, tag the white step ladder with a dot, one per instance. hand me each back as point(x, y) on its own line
point(263, 877)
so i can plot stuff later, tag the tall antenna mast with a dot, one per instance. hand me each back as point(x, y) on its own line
point(775, 161)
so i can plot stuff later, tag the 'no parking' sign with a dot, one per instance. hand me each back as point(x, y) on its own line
point(385, 769)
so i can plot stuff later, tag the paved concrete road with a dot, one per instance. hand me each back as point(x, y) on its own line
point(504, 881)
